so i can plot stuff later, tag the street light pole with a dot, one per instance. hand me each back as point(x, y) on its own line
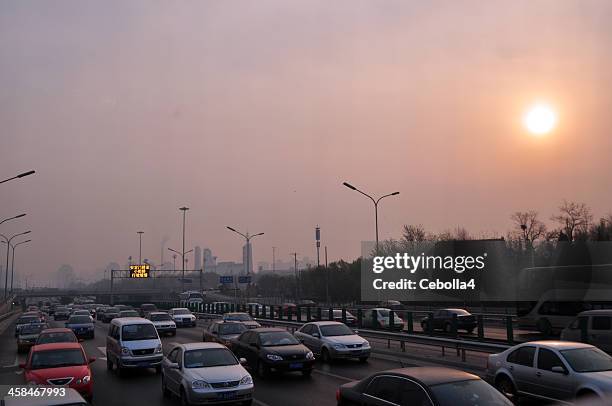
point(247, 237)
point(375, 201)
point(21, 175)
point(12, 218)
point(183, 257)
point(184, 210)
point(8, 245)
point(13, 262)
point(140, 233)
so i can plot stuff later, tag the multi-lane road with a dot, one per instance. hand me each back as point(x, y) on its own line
point(143, 386)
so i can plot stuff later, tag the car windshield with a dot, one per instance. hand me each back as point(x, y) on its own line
point(27, 320)
point(134, 332)
point(277, 338)
point(209, 357)
point(238, 317)
point(129, 313)
point(57, 358)
point(63, 337)
point(473, 392)
point(231, 328)
point(588, 359)
point(32, 328)
point(334, 330)
point(182, 311)
point(79, 320)
point(160, 317)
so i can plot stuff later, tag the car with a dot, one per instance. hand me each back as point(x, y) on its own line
point(99, 310)
point(147, 308)
point(243, 318)
point(270, 349)
point(109, 314)
point(56, 335)
point(442, 319)
point(333, 340)
point(28, 335)
point(80, 312)
point(25, 320)
point(597, 326)
point(182, 317)
point(206, 373)
point(81, 325)
point(552, 370)
point(422, 386)
point(129, 313)
point(60, 364)
point(223, 332)
point(163, 322)
point(378, 318)
point(61, 313)
point(70, 398)
point(133, 342)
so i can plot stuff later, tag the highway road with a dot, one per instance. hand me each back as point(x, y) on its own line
point(140, 387)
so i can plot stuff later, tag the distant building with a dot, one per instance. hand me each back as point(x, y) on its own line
point(210, 261)
point(197, 258)
point(228, 268)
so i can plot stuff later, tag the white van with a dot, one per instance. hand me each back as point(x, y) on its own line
point(133, 342)
point(598, 329)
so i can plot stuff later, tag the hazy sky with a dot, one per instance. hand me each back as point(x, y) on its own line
point(253, 113)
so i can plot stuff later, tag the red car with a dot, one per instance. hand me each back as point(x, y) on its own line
point(60, 364)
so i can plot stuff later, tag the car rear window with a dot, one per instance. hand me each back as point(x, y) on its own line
point(79, 320)
point(63, 337)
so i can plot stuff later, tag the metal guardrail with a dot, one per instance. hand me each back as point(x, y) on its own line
point(459, 345)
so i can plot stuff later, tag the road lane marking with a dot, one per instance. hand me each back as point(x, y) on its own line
point(344, 378)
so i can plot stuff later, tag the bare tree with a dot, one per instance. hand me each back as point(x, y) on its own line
point(574, 219)
point(414, 233)
point(528, 226)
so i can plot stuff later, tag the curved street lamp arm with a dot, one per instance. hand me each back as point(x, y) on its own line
point(387, 195)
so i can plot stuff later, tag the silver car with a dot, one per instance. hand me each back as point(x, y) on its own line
point(552, 370)
point(205, 373)
point(332, 340)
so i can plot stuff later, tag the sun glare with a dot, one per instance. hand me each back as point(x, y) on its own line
point(540, 119)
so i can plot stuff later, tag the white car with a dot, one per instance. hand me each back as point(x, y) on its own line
point(597, 325)
point(552, 371)
point(182, 317)
point(205, 373)
point(332, 339)
point(163, 322)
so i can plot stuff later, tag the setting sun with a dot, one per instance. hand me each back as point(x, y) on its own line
point(540, 119)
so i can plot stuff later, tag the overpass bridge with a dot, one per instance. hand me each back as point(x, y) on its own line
point(101, 295)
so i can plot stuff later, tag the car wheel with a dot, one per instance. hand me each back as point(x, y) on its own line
point(173, 333)
point(587, 395)
point(158, 369)
point(165, 391)
point(425, 326)
point(262, 370)
point(306, 372)
point(325, 357)
point(184, 400)
point(109, 363)
point(506, 387)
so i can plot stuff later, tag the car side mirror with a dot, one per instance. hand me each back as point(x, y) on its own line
point(243, 361)
point(92, 360)
point(559, 370)
point(174, 365)
point(316, 335)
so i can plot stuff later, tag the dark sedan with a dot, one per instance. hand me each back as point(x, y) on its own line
point(81, 326)
point(423, 386)
point(61, 313)
point(28, 335)
point(273, 350)
point(443, 320)
point(223, 332)
point(109, 314)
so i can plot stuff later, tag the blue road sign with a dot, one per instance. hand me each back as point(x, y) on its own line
point(244, 279)
point(226, 279)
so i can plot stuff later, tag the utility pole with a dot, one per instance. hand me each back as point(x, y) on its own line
point(297, 288)
point(273, 259)
point(140, 233)
point(318, 240)
point(184, 210)
point(327, 298)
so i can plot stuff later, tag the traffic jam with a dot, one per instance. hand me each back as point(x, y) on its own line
point(235, 346)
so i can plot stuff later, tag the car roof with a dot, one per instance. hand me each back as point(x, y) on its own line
point(234, 313)
point(130, 320)
point(57, 330)
point(201, 345)
point(159, 312)
point(431, 375)
point(326, 323)
point(267, 329)
point(560, 345)
point(599, 312)
point(179, 308)
point(57, 346)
